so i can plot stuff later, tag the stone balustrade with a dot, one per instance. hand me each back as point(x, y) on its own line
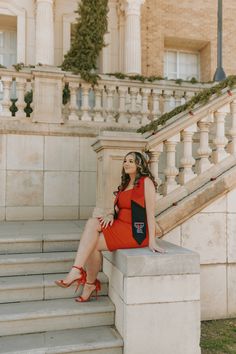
point(181, 153)
point(115, 102)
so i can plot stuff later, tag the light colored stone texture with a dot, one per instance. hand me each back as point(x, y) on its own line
point(119, 305)
point(206, 234)
point(2, 187)
point(218, 206)
point(231, 282)
point(174, 236)
point(85, 212)
point(2, 213)
point(231, 201)
point(61, 153)
point(2, 152)
point(166, 288)
point(61, 213)
point(88, 158)
point(24, 213)
point(24, 188)
point(87, 190)
point(116, 278)
point(61, 189)
point(183, 329)
point(28, 317)
point(231, 237)
point(213, 292)
point(99, 340)
point(29, 154)
point(143, 262)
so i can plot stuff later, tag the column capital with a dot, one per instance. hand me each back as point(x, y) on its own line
point(132, 7)
point(51, 2)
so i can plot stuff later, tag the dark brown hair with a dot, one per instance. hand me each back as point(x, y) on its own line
point(142, 171)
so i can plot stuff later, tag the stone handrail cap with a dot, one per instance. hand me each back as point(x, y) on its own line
point(143, 262)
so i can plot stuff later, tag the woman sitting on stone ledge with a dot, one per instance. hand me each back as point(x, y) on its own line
point(131, 225)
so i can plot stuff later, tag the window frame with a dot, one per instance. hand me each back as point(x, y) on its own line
point(178, 51)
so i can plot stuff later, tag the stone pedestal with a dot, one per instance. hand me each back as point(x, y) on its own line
point(156, 298)
point(47, 96)
point(111, 149)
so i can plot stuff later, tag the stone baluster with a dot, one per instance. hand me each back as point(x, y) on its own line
point(171, 171)
point(188, 95)
point(154, 155)
point(220, 140)
point(20, 104)
point(156, 94)
point(6, 102)
point(232, 130)
point(110, 103)
point(204, 150)
point(123, 117)
point(187, 161)
point(98, 117)
point(168, 98)
point(73, 108)
point(85, 103)
point(179, 98)
point(133, 104)
point(145, 110)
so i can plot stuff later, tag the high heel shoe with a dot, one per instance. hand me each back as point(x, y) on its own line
point(97, 285)
point(80, 281)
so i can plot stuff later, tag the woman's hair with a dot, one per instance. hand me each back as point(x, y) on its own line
point(142, 170)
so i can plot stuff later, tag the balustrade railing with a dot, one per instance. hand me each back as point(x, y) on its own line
point(112, 101)
point(180, 152)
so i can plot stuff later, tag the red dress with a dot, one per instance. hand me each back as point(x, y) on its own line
point(119, 234)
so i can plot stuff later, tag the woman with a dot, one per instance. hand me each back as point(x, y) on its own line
point(132, 225)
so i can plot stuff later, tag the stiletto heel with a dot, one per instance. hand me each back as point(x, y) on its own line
point(97, 285)
point(80, 281)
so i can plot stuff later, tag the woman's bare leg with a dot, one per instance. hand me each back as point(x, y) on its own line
point(93, 265)
point(87, 245)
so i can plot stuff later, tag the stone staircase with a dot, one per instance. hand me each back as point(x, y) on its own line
point(38, 317)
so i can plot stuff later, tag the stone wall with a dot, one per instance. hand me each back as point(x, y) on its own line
point(46, 177)
point(211, 233)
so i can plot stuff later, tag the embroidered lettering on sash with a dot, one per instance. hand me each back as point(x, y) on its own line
point(139, 227)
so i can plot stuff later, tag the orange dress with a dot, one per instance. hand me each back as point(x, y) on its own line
point(119, 234)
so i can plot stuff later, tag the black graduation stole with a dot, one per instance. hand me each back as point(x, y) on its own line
point(139, 217)
point(138, 212)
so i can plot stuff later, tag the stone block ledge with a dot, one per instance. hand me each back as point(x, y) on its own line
point(143, 262)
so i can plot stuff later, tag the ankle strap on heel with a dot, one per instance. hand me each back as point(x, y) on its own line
point(83, 274)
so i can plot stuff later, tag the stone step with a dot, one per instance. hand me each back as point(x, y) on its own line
point(36, 263)
point(53, 315)
point(40, 236)
point(40, 287)
point(93, 340)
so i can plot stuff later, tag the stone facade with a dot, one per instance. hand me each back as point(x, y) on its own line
point(139, 33)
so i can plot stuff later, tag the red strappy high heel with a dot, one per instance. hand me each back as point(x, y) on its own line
point(97, 288)
point(80, 281)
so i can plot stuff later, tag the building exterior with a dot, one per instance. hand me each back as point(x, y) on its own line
point(153, 37)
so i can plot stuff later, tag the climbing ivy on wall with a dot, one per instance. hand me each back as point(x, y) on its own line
point(201, 98)
point(88, 39)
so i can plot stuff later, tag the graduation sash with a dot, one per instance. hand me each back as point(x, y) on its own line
point(138, 211)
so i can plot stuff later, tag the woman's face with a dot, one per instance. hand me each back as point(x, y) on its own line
point(130, 165)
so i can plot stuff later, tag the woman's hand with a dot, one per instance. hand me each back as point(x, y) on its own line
point(154, 246)
point(106, 220)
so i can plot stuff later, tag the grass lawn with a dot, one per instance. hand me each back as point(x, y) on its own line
point(218, 337)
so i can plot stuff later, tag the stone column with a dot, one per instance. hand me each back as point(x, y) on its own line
point(44, 32)
point(132, 36)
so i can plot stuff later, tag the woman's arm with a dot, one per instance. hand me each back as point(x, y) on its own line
point(150, 201)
